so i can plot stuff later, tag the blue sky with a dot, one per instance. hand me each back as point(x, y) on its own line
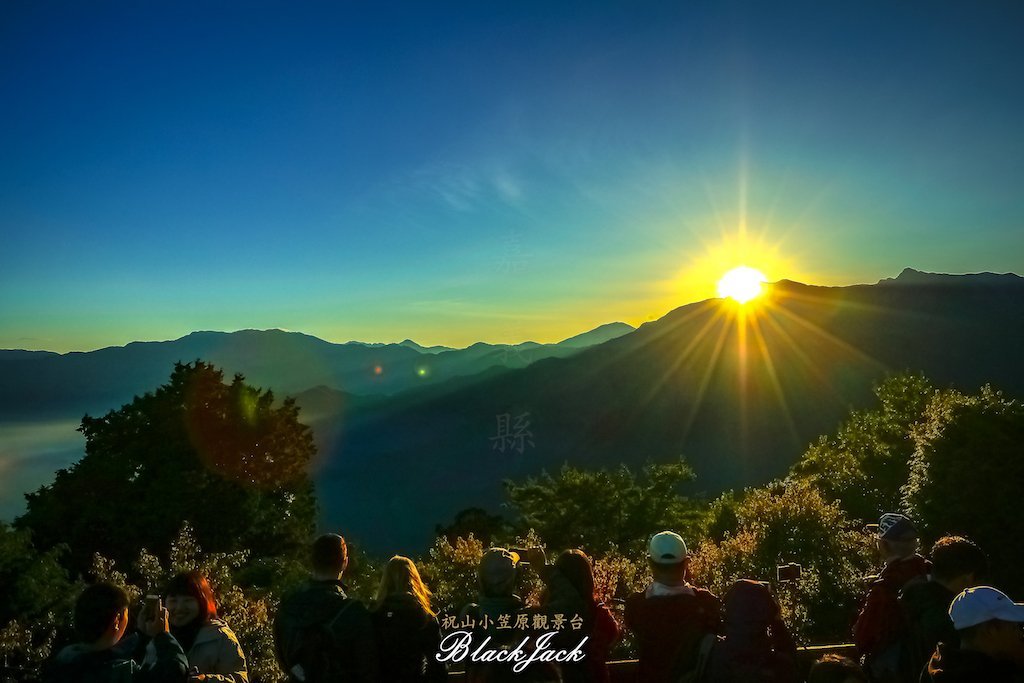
point(456, 172)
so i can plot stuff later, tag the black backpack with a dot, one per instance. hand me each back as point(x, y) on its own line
point(896, 660)
point(313, 650)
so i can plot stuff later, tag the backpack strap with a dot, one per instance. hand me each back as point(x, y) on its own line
point(704, 655)
point(348, 603)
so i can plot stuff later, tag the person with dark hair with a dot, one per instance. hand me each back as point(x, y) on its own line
point(569, 591)
point(672, 620)
point(882, 630)
point(102, 655)
point(957, 564)
point(836, 669)
point(212, 649)
point(406, 626)
point(320, 633)
point(991, 648)
point(755, 646)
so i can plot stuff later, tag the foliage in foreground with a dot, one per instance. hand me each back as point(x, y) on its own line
point(950, 460)
point(782, 523)
point(221, 457)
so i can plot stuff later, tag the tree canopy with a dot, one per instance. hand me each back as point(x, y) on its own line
point(866, 462)
point(222, 457)
point(966, 475)
point(595, 509)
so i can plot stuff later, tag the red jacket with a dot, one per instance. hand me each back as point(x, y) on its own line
point(604, 635)
point(668, 628)
point(881, 618)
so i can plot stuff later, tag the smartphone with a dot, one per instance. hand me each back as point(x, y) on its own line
point(788, 572)
point(152, 607)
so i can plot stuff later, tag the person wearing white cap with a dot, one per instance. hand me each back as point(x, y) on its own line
point(991, 647)
point(670, 617)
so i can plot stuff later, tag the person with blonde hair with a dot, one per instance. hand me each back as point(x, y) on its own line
point(406, 625)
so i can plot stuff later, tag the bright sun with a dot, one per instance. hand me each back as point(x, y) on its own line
point(742, 284)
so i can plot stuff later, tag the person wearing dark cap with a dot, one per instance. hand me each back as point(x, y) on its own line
point(321, 634)
point(957, 564)
point(671, 618)
point(991, 646)
point(881, 632)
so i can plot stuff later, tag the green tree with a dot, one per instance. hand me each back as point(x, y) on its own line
point(221, 457)
point(595, 510)
point(791, 522)
point(450, 572)
point(36, 596)
point(866, 463)
point(966, 476)
point(475, 521)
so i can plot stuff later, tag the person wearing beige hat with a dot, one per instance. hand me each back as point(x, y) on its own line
point(671, 617)
point(497, 604)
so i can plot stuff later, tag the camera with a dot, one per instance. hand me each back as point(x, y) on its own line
point(788, 572)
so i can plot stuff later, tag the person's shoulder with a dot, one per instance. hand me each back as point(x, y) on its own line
point(603, 614)
point(925, 592)
point(71, 653)
point(706, 597)
point(348, 610)
point(471, 608)
point(220, 626)
point(299, 595)
point(313, 596)
point(633, 599)
point(217, 630)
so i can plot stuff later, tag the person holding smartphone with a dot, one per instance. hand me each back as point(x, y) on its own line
point(103, 655)
point(212, 649)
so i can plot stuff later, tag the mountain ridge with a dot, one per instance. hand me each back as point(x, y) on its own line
point(672, 387)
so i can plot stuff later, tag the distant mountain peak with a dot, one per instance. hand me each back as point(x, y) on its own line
point(912, 276)
point(409, 343)
point(598, 335)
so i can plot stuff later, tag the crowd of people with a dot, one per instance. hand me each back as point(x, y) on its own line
point(924, 620)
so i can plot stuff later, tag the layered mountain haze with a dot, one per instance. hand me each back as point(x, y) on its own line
point(43, 395)
point(740, 392)
point(38, 383)
point(409, 435)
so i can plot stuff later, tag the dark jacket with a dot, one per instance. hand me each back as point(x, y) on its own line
point(407, 641)
point(881, 620)
point(669, 630)
point(321, 602)
point(595, 623)
point(953, 665)
point(926, 606)
point(493, 610)
point(81, 664)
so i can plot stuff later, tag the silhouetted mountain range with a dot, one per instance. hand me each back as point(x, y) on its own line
point(676, 386)
point(40, 384)
point(409, 435)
